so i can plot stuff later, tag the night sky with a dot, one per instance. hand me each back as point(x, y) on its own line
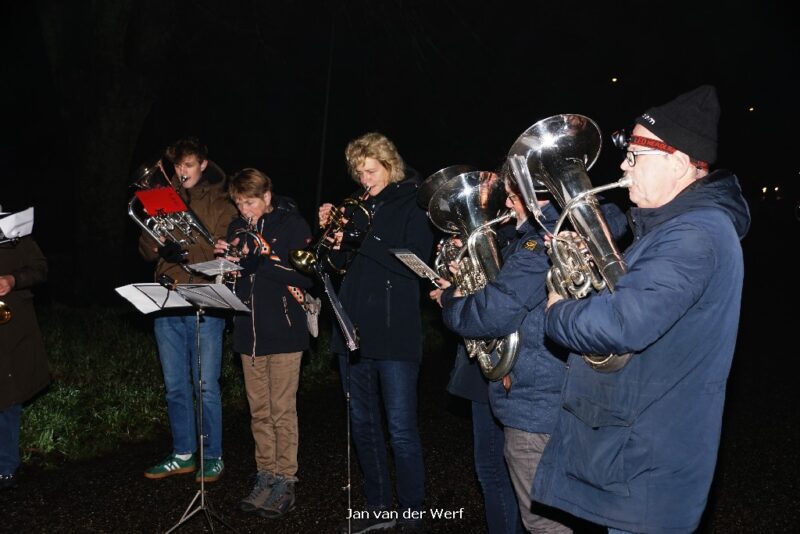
point(283, 86)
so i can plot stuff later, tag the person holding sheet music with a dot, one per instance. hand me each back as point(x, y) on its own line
point(382, 298)
point(272, 337)
point(201, 187)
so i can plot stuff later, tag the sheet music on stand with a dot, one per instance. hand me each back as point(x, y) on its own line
point(413, 262)
point(152, 297)
point(215, 267)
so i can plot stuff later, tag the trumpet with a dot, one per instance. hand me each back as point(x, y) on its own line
point(5, 312)
point(352, 218)
point(250, 244)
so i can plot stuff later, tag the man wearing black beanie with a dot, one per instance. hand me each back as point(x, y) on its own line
point(635, 449)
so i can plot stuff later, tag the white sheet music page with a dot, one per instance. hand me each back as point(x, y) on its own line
point(17, 224)
point(148, 298)
point(413, 262)
point(215, 267)
point(211, 296)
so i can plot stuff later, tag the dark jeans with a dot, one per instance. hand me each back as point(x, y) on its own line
point(395, 383)
point(500, 500)
point(9, 439)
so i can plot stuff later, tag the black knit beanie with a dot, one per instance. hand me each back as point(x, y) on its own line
point(689, 123)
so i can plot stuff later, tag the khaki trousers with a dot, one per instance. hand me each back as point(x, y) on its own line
point(271, 382)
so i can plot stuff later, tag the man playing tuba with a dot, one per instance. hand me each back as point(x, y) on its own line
point(635, 450)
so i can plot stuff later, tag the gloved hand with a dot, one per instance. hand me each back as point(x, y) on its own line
point(172, 252)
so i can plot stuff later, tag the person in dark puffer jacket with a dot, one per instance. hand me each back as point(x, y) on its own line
point(526, 400)
point(382, 298)
point(635, 449)
point(272, 337)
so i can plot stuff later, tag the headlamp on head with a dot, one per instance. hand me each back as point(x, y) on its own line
point(621, 138)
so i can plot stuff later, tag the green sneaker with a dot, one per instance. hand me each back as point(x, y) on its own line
point(212, 470)
point(171, 465)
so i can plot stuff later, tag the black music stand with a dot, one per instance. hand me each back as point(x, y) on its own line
point(152, 297)
point(350, 334)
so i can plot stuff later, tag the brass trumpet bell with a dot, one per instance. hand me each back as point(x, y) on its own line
point(5, 313)
point(303, 260)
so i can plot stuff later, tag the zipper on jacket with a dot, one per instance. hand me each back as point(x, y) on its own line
point(286, 310)
point(388, 304)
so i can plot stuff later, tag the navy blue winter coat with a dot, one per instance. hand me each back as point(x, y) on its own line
point(466, 378)
point(379, 293)
point(280, 320)
point(636, 449)
point(515, 300)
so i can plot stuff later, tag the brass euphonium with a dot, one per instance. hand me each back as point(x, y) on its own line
point(182, 227)
point(555, 154)
point(469, 204)
point(352, 218)
point(5, 312)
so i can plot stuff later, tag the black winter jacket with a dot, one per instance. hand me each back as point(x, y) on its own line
point(379, 293)
point(280, 320)
point(23, 360)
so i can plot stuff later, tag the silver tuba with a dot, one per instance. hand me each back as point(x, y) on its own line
point(468, 204)
point(178, 223)
point(556, 153)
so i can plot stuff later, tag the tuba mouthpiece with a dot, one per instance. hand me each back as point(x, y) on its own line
point(626, 181)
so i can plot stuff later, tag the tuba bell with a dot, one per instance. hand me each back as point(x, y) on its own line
point(169, 219)
point(352, 218)
point(468, 204)
point(555, 154)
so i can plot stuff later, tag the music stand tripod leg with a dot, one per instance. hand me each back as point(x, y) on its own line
point(204, 505)
point(349, 486)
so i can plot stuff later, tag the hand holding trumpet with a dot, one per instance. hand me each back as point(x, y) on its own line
point(7, 283)
point(325, 214)
point(230, 251)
